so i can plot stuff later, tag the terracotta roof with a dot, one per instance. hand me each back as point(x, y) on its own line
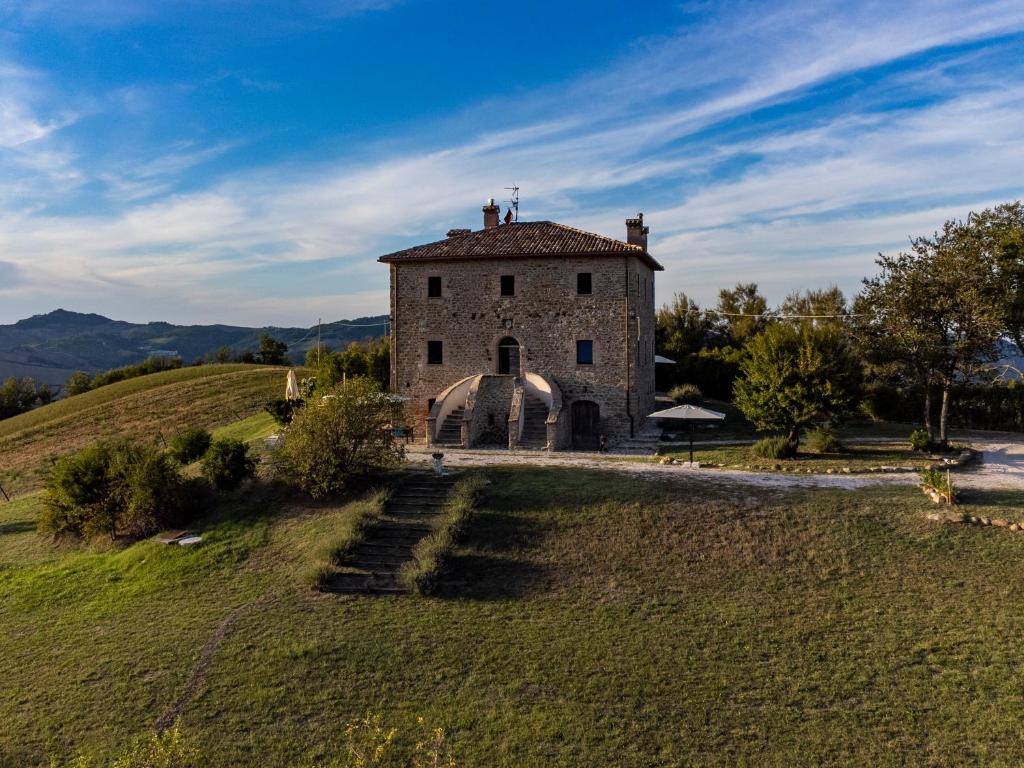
point(532, 238)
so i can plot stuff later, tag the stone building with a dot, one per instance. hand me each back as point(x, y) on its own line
point(526, 334)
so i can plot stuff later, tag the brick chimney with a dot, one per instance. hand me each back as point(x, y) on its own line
point(491, 214)
point(636, 232)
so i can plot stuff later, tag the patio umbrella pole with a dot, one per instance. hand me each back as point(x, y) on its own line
point(691, 443)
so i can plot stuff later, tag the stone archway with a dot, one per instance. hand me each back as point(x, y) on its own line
point(509, 356)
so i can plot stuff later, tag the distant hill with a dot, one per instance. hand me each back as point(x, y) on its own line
point(50, 347)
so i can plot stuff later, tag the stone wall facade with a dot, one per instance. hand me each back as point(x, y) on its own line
point(546, 316)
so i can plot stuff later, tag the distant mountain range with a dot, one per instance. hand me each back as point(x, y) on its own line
point(51, 347)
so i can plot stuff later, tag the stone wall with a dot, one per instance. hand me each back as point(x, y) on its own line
point(546, 317)
point(490, 407)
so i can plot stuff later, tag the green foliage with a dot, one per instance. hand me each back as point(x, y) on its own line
point(744, 300)
point(686, 393)
point(168, 750)
point(796, 376)
point(190, 445)
point(283, 410)
point(778, 447)
point(21, 395)
point(111, 489)
point(227, 463)
point(372, 361)
point(823, 439)
point(80, 382)
point(423, 573)
point(680, 328)
point(713, 371)
point(920, 440)
point(271, 351)
point(818, 308)
point(344, 437)
point(371, 744)
point(940, 481)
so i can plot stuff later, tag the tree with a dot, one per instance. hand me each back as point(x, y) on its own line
point(345, 437)
point(111, 489)
point(742, 313)
point(17, 396)
point(938, 311)
point(680, 328)
point(227, 463)
point(819, 308)
point(271, 351)
point(796, 376)
point(223, 355)
point(79, 383)
point(1000, 234)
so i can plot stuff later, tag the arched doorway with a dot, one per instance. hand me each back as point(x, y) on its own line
point(586, 425)
point(508, 356)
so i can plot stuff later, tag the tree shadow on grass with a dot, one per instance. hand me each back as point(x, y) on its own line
point(1010, 499)
point(491, 564)
point(17, 526)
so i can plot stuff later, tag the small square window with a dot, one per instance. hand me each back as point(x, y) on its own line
point(434, 286)
point(583, 283)
point(435, 352)
point(584, 352)
point(508, 285)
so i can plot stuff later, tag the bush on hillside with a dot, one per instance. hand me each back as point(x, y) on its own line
point(283, 410)
point(345, 437)
point(171, 749)
point(227, 463)
point(190, 445)
point(686, 393)
point(111, 489)
point(824, 440)
point(779, 447)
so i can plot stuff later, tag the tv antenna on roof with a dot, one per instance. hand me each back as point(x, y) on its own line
point(514, 201)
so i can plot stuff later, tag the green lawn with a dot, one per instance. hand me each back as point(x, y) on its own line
point(589, 620)
point(856, 457)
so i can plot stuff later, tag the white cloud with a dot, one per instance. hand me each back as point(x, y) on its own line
point(813, 204)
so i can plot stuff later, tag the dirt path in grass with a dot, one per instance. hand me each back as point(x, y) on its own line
point(172, 713)
point(1001, 467)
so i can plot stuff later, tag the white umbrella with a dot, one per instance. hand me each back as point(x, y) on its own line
point(658, 359)
point(688, 413)
point(291, 389)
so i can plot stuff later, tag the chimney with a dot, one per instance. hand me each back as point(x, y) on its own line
point(636, 232)
point(491, 212)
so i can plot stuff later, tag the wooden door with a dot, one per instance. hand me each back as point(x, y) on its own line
point(586, 425)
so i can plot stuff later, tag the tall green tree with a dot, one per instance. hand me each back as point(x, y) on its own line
point(742, 313)
point(271, 351)
point(935, 312)
point(795, 376)
point(1000, 234)
point(820, 307)
point(681, 328)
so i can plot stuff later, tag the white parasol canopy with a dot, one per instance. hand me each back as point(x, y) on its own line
point(291, 389)
point(659, 359)
point(688, 413)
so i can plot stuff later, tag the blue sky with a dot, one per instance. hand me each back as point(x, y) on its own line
point(246, 162)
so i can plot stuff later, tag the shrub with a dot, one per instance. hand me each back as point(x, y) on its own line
point(227, 463)
point(171, 749)
point(778, 447)
point(345, 437)
point(920, 441)
point(423, 573)
point(190, 445)
point(686, 393)
point(796, 376)
point(283, 410)
point(823, 440)
point(111, 489)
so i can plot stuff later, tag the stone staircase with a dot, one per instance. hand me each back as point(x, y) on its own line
point(535, 430)
point(451, 428)
point(372, 567)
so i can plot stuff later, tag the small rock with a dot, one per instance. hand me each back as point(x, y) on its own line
point(1014, 527)
point(1000, 523)
point(975, 520)
point(934, 516)
point(830, 471)
point(986, 521)
point(666, 460)
point(846, 470)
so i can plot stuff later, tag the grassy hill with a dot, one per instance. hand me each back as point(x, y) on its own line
point(150, 407)
point(588, 621)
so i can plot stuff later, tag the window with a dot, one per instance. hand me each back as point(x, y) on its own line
point(435, 353)
point(434, 286)
point(583, 283)
point(584, 352)
point(508, 285)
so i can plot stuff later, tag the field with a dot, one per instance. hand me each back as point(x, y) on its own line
point(150, 407)
point(588, 620)
point(857, 456)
